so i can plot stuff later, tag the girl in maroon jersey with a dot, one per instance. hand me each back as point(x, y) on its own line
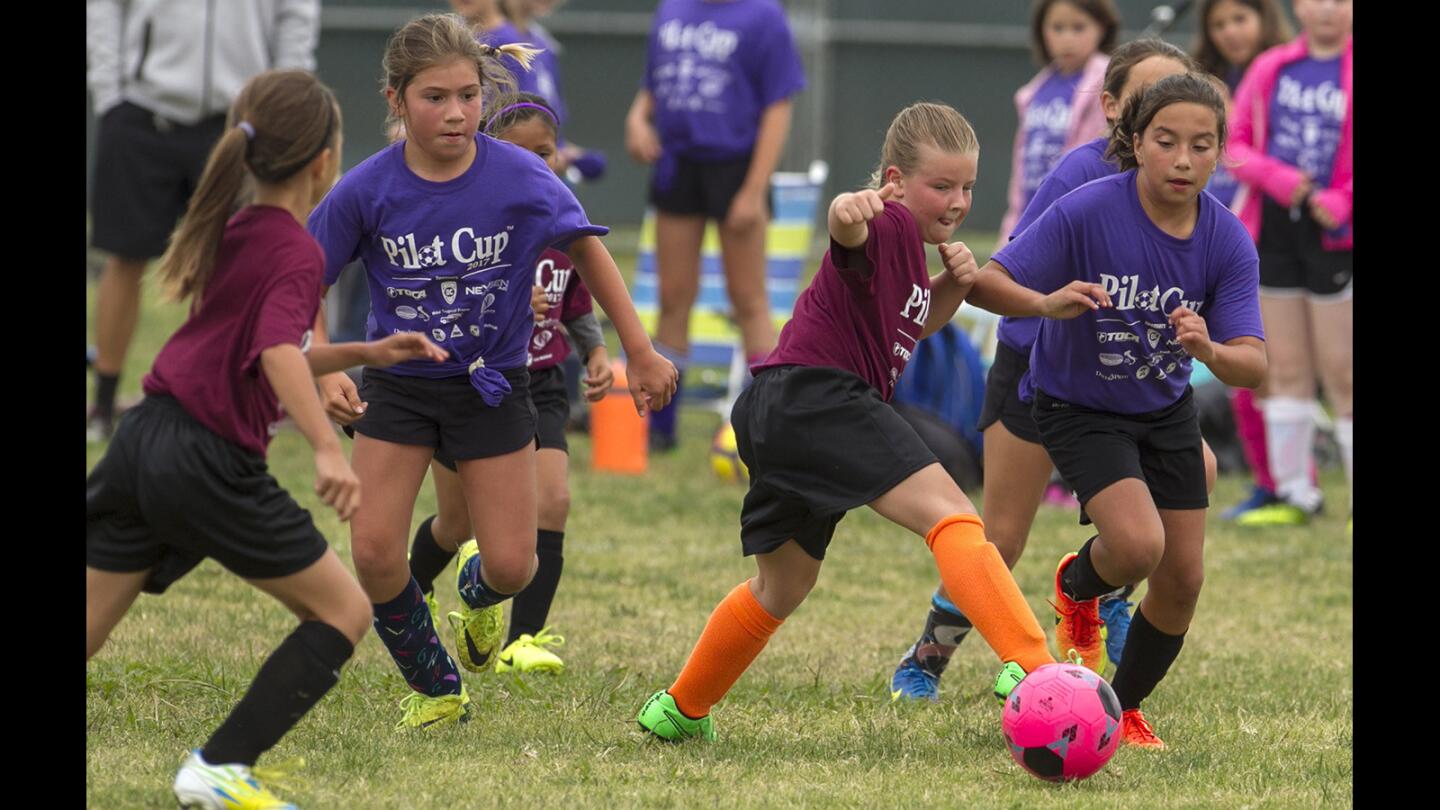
point(817, 433)
point(185, 477)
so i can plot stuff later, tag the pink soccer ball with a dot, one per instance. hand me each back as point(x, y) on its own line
point(1062, 722)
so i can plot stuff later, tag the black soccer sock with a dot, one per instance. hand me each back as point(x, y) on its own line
point(427, 558)
point(1080, 581)
point(945, 628)
point(1148, 656)
point(293, 679)
point(105, 385)
point(531, 607)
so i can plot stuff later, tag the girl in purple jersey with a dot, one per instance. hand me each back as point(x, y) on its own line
point(1057, 108)
point(450, 224)
point(185, 477)
point(712, 115)
point(819, 437)
point(526, 120)
point(1111, 390)
point(1231, 34)
point(1017, 467)
point(1294, 118)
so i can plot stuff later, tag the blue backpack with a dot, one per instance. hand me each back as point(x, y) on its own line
point(946, 378)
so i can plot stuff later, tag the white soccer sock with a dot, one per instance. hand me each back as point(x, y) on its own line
point(1345, 437)
point(1290, 442)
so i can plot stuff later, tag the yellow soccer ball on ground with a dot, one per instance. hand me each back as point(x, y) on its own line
point(725, 459)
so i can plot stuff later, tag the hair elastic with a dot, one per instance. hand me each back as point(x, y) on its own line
point(520, 105)
point(248, 129)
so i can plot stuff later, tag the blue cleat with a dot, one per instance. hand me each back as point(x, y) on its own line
point(1115, 612)
point(1259, 496)
point(912, 682)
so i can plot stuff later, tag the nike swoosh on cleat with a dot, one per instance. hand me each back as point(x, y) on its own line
point(480, 659)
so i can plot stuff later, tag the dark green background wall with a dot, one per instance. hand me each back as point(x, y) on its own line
point(882, 55)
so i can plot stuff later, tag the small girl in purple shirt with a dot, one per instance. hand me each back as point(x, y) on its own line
point(1059, 108)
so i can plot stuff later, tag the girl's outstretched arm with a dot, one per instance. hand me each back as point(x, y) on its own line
point(652, 378)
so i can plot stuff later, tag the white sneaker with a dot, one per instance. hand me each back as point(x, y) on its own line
point(202, 786)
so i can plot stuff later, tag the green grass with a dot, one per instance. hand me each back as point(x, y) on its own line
point(1257, 710)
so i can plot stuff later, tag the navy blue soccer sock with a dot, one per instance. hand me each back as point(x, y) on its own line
point(406, 630)
point(665, 421)
point(473, 589)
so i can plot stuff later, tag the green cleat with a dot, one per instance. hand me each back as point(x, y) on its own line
point(661, 717)
point(1275, 514)
point(478, 631)
point(1010, 677)
point(423, 711)
point(529, 654)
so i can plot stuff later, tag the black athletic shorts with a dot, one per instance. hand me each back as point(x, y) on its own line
point(146, 168)
point(703, 189)
point(170, 492)
point(1292, 261)
point(552, 407)
point(447, 414)
point(818, 442)
point(1094, 449)
point(1002, 395)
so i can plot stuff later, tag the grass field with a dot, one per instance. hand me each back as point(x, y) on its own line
point(1257, 710)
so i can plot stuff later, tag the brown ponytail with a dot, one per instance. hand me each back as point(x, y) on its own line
point(280, 122)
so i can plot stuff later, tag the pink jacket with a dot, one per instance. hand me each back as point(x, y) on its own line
point(1087, 122)
point(1266, 175)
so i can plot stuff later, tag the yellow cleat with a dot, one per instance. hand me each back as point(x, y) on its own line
point(423, 711)
point(529, 654)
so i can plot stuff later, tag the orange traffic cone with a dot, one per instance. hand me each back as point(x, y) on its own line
point(620, 438)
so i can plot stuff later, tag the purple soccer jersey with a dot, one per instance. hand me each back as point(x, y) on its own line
point(453, 260)
point(568, 297)
point(1046, 120)
point(1307, 111)
point(713, 68)
point(865, 309)
point(265, 292)
point(1126, 359)
point(1079, 166)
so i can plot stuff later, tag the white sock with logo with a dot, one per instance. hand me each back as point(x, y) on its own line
point(1345, 437)
point(1290, 443)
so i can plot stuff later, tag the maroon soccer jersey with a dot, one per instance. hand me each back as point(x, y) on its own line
point(866, 307)
point(568, 298)
point(265, 291)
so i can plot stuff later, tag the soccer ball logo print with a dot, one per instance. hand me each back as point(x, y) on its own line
point(1062, 723)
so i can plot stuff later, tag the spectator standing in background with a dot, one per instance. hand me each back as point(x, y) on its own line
point(162, 74)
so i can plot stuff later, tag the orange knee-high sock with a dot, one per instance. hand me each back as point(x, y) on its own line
point(736, 633)
point(981, 586)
